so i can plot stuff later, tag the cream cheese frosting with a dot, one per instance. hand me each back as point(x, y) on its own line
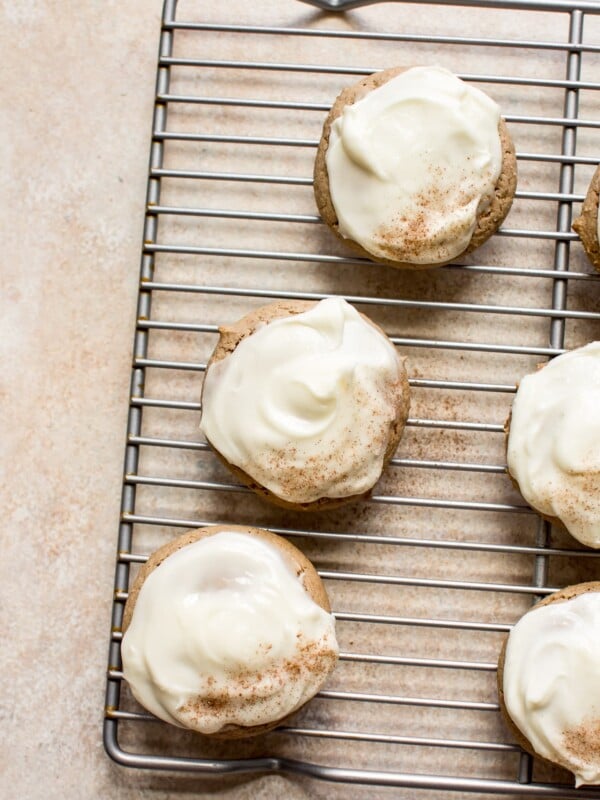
point(552, 682)
point(554, 441)
point(412, 165)
point(224, 632)
point(305, 404)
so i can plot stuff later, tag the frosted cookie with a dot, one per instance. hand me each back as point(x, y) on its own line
point(549, 681)
point(587, 225)
point(553, 447)
point(415, 168)
point(305, 402)
point(227, 631)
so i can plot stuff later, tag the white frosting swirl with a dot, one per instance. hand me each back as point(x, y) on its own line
point(306, 403)
point(223, 632)
point(554, 441)
point(413, 164)
point(552, 682)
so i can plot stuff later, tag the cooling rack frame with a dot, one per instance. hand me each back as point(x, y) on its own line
point(557, 312)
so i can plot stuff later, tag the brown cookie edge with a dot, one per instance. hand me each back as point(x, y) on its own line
point(586, 224)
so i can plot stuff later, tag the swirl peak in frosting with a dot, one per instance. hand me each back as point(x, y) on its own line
point(305, 404)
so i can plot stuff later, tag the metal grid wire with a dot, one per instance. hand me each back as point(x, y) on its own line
point(428, 575)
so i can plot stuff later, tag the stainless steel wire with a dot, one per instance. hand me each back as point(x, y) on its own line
point(178, 268)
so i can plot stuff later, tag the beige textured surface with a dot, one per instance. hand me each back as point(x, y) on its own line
point(77, 96)
point(77, 104)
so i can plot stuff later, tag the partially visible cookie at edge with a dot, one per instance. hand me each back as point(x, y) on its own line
point(568, 743)
point(553, 442)
point(588, 223)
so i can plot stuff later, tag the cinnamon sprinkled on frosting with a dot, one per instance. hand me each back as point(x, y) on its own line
point(582, 742)
point(551, 681)
point(224, 633)
point(554, 441)
point(306, 404)
point(412, 164)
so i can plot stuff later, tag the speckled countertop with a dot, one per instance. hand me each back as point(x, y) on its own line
point(77, 96)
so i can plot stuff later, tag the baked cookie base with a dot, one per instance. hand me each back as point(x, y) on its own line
point(586, 225)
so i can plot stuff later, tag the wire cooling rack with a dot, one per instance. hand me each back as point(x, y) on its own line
point(429, 574)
